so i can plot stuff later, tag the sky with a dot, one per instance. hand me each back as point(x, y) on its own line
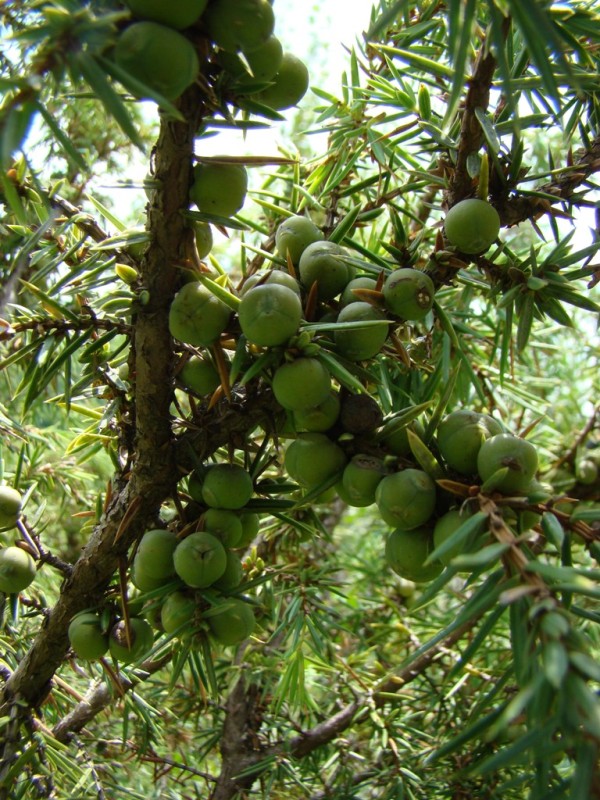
point(316, 34)
point(333, 24)
point(320, 33)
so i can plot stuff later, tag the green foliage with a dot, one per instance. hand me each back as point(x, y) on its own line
point(306, 664)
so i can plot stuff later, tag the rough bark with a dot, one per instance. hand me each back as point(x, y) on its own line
point(239, 742)
point(136, 499)
point(471, 135)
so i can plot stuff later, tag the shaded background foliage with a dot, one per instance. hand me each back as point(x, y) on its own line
point(356, 682)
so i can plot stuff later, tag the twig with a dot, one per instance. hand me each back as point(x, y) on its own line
point(471, 134)
point(514, 208)
point(240, 751)
point(59, 327)
point(569, 455)
point(98, 698)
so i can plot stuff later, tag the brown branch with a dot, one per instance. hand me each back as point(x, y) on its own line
point(518, 208)
point(513, 208)
point(239, 742)
point(226, 423)
point(99, 697)
point(85, 222)
point(328, 730)
point(153, 474)
point(471, 135)
point(240, 748)
point(58, 327)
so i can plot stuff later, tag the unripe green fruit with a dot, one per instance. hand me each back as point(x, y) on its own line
point(323, 262)
point(225, 525)
point(586, 471)
point(326, 497)
point(408, 293)
point(204, 238)
point(195, 482)
point(135, 603)
point(200, 560)
point(301, 384)
point(341, 492)
point(144, 582)
point(293, 236)
point(17, 570)
point(233, 623)
point(159, 57)
point(472, 225)
point(395, 439)
point(196, 316)
point(460, 436)
point(394, 436)
point(445, 526)
point(358, 344)
point(177, 15)
point(233, 574)
point(363, 282)
point(86, 636)
point(250, 526)
point(312, 459)
point(219, 189)
point(200, 376)
point(327, 316)
point(10, 506)
point(321, 418)
point(264, 62)
point(140, 642)
point(266, 59)
point(406, 499)
point(277, 276)
point(407, 551)
point(227, 486)
point(239, 24)
point(507, 451)
point(154, 556)
point(177, 611)
point(151, 611)
point(361, 478)
point(270, 315)
point(289, 86)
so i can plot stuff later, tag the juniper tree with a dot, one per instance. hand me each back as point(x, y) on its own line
point(304, 449)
